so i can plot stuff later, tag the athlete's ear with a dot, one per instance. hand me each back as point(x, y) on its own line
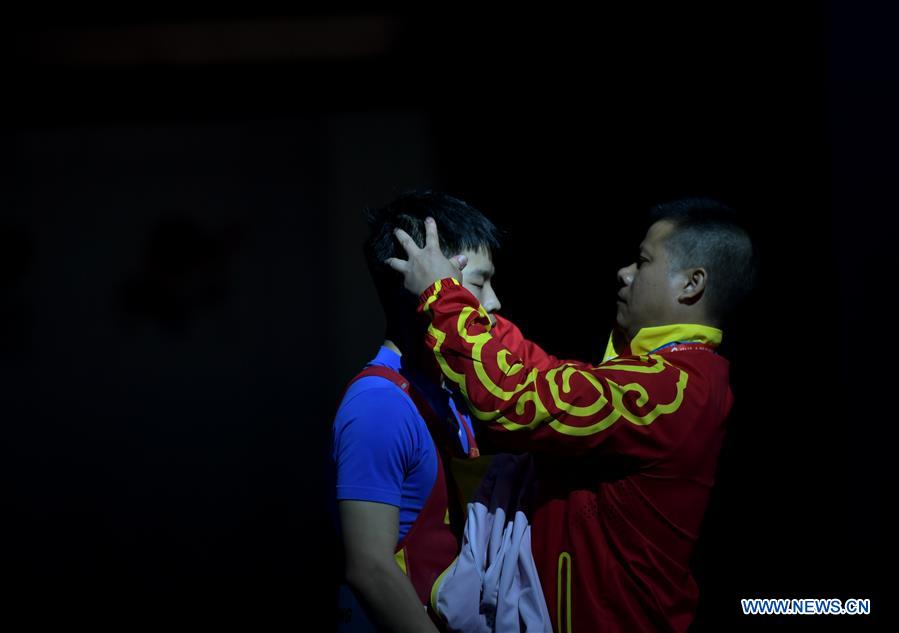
point(459, 261)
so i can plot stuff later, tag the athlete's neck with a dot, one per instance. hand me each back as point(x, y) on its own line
point(389, 344)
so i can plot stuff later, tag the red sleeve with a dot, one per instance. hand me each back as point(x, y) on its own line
point(531, 354)
point(532, 401)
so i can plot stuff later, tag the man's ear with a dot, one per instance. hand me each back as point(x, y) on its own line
point(694, 285)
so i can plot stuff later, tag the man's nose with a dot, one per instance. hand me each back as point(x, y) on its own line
point(626, 275)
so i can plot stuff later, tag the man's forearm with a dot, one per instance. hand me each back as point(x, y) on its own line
point(390, 598)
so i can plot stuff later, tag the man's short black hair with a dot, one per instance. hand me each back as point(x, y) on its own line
point(709, 234)
point(460, 225)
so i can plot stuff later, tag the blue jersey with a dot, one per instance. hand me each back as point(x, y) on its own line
point(383, 450)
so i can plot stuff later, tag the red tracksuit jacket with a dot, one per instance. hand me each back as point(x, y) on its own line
point(626, 455)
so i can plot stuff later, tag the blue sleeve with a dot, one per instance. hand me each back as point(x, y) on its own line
point(375, 442)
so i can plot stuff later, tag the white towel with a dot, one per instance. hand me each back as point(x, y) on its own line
point(493, 584)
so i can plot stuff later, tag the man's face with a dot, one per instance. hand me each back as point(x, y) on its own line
point(648, 292)
point(477, 277)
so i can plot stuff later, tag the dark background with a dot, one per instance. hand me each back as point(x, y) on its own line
point(182, 293)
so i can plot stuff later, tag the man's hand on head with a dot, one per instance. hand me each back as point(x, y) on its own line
point(425, 265)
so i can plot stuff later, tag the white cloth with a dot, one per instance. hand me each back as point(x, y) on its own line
point(493, 585)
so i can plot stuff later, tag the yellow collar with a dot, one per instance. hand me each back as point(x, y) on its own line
point(649, 339)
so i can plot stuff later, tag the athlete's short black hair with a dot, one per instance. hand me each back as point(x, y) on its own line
point(460, 225)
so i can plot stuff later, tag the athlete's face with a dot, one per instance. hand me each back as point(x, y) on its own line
point(477, 277)
point(648, 291)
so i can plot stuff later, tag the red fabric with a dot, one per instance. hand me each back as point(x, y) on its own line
point(626, 457)
point(531, 354)
point(431, 544)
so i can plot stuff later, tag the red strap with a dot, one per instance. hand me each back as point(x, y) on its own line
point(383, 372)
point(421, 403)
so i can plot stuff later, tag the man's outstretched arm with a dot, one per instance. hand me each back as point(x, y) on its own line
point(566, 408)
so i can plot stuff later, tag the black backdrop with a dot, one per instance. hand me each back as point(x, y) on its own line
point(183, 294)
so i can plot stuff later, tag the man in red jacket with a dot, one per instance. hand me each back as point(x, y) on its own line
point(627, 449)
